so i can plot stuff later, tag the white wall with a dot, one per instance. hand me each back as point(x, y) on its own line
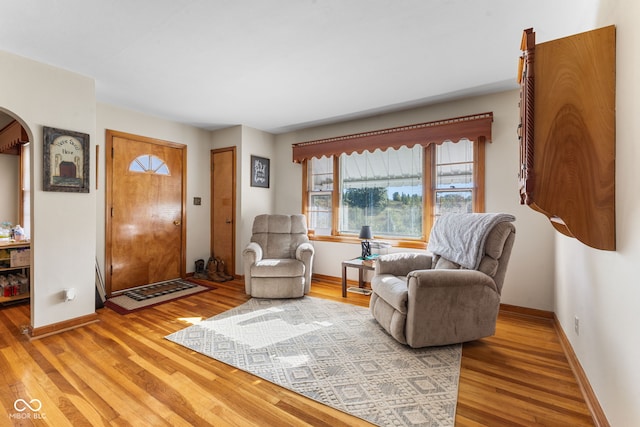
point(9, 185)
point(250, 201)
point(63, 224)
point(198, 142)
point(68, 228)
point(255, 200)
point(529, 281)
point(602, 288)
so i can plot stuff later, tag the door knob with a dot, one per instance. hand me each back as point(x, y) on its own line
point(228, 221)
point(177, 222)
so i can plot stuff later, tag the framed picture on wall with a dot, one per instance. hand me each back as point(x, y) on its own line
point(259, 172)
point(66, 161)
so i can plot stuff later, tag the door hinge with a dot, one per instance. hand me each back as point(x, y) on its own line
point(112, 152)
point(111, 212)
point(111, 270)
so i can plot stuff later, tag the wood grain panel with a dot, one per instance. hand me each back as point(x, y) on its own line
point(145, 212)
point(574, 131)
point(223, 206)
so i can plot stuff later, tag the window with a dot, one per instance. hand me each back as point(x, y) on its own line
point(386, 190)
point(383, 189)
point(454, 183)
point(25, 186)
point(387, 180)
point(320, 191)
point(148, 163)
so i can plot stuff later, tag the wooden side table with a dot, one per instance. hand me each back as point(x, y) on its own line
point(354, 263)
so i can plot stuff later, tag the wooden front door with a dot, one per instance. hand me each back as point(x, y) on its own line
point(223, 205)
point(145, 241)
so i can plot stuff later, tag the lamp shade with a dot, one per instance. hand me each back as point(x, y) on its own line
point(365, 233)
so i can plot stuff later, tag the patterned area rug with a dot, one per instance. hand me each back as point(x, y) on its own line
point(336, 354)
point(151, 295)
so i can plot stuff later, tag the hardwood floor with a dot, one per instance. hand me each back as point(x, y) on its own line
point(121, 371)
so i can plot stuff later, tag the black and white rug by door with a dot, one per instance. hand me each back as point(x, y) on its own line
point(152, 295)
point(336, 354)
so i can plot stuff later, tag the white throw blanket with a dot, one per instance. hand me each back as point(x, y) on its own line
point(460, 237)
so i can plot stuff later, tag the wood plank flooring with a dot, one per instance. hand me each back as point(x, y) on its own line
point(122, 372)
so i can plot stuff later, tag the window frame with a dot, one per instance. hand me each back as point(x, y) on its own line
point(429, 191)
point(306, 193)
point(475, 128)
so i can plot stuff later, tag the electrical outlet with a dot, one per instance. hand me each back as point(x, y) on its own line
point(69, 294)
point(576, 325)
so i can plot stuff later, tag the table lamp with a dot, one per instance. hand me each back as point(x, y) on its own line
point(365, 235)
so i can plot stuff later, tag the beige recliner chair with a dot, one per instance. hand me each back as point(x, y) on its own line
point(430, 299)
point(279, 258)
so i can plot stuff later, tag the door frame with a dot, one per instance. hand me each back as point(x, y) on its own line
point(109, 135)
point(232, 149)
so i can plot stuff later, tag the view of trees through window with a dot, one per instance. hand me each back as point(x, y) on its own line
point(382, 189)
point(398, 215)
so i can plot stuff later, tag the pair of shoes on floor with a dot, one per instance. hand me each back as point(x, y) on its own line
point(215, 270)
point(222, 269)
point(200, 272)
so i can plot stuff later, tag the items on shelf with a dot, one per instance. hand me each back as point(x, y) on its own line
point(5, 231)
point(14, 272)
point(370, 261)
point(14, 284)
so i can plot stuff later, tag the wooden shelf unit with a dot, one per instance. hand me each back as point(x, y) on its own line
point(567, 133)
point(9, 265)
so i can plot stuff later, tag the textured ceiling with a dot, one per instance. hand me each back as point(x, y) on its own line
point(280, 65)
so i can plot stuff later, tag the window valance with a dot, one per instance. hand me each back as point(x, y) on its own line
point(475, 127)
point(11, 136)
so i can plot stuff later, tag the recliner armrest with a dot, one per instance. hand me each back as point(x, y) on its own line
point(392, 289)
point(250, 255)
point(451, 279)
point(253, 252)
point(401, 264)
point(304, 251)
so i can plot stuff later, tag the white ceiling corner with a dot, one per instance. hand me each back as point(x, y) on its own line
point(283, 64)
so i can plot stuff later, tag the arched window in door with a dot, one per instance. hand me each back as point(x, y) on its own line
point(148, 163)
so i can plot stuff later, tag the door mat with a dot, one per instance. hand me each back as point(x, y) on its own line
point(152, 295)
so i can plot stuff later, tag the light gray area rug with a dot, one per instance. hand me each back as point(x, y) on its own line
point(336, 354)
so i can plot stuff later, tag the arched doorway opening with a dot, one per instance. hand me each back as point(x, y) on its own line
point(16, 260)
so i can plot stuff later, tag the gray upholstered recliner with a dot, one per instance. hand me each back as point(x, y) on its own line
point(279, 258)
point(425, 299)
